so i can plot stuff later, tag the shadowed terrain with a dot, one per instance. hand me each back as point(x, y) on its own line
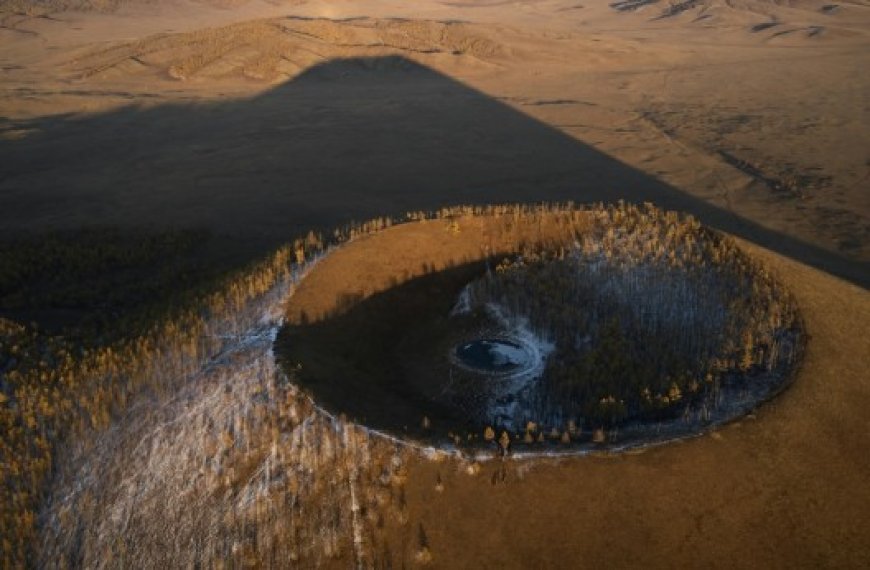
point(346, 140)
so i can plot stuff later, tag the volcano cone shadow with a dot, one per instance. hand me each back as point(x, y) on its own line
point(346, 140)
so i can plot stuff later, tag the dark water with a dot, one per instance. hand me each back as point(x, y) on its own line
point(491, 354)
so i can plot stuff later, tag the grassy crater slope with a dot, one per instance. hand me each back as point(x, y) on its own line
point(783, 489)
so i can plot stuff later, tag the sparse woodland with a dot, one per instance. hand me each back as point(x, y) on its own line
point(649, 312)
point(248, 470)
point(59, 390)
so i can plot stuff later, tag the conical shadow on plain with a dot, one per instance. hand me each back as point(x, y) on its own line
point(346, 140)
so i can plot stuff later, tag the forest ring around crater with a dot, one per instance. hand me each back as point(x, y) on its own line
point(645, 327)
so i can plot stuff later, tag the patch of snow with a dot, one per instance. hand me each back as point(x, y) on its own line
point(509, 404)
point(463, 303)
point(504, 354)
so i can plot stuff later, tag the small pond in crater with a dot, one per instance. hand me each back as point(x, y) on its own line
point(492, 355)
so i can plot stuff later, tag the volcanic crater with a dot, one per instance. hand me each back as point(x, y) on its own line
point(559, 327)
